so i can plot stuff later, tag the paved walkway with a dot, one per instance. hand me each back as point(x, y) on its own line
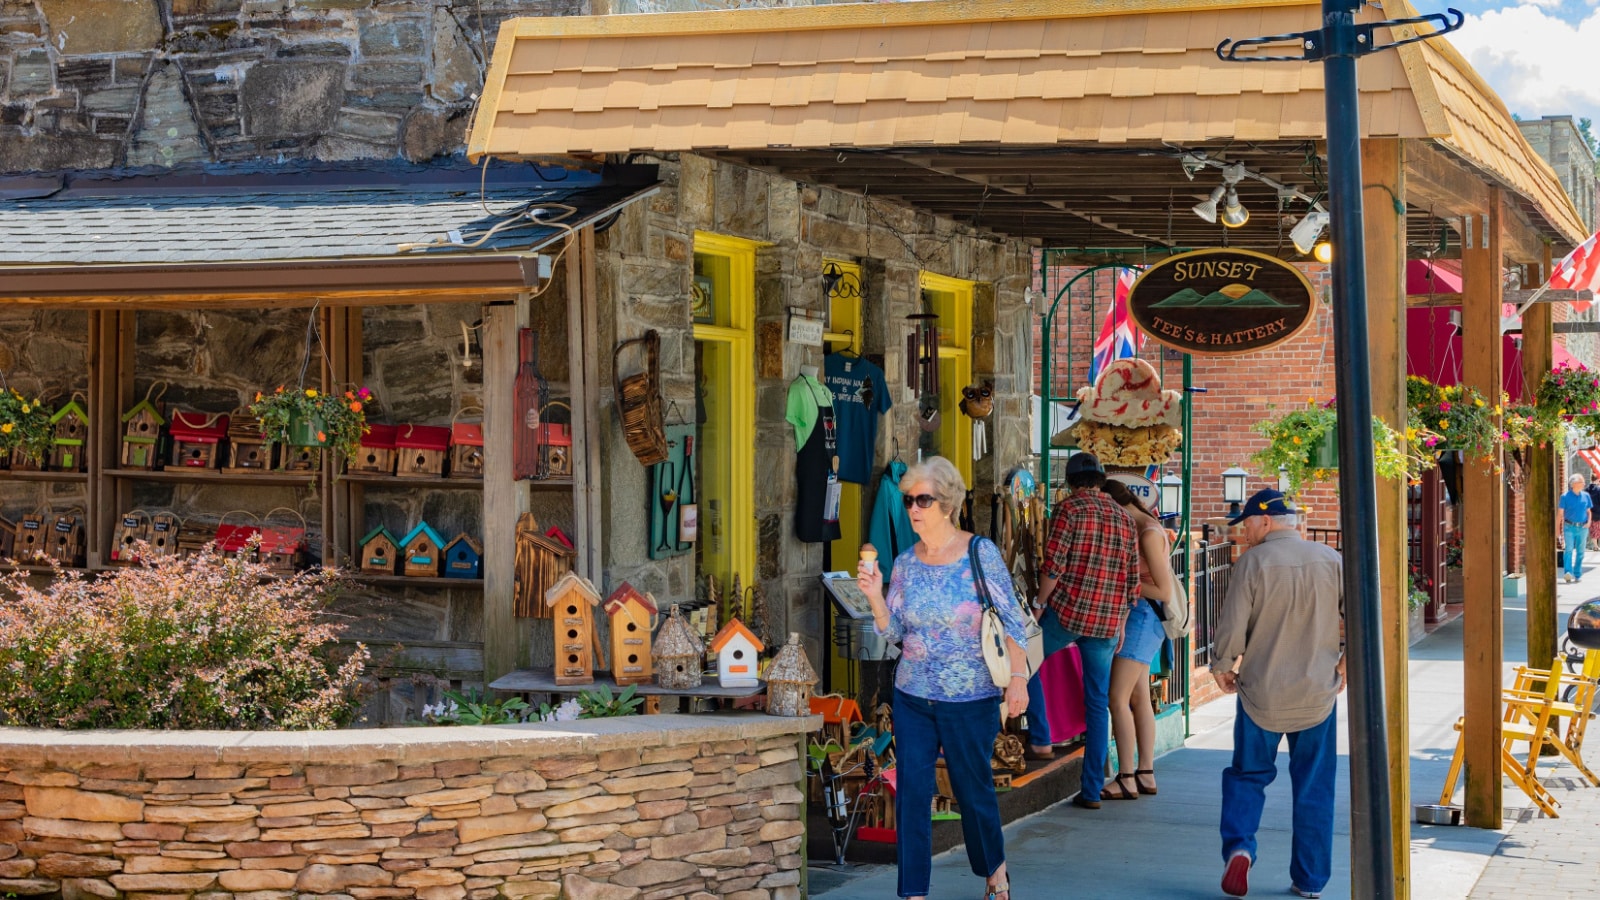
point(1167, 845)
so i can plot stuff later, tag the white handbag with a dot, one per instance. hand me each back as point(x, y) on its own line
point(996, 652)
point(1178, 622)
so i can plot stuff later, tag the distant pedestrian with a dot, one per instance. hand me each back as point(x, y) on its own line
point(1282, 625)
point(1593, 490)
point(1576, 512)
point(945, 700)
point(1089, 575)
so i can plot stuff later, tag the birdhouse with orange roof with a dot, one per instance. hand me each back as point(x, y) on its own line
point(572, 601)
point(737, 649)
point(632, 617)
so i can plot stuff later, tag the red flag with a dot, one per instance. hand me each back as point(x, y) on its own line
point(1579, 271)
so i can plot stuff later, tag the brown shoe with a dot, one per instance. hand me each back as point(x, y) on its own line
point(1081, 803)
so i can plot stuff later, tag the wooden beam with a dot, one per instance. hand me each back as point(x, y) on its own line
point(505, 638)
point(1539, 487)
point(1383, 174)
point(589, 503)
point(1484, 542)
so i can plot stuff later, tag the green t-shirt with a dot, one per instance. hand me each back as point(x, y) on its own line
point(806, 396)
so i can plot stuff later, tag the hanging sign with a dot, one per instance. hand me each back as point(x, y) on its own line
point(1222, 302)
point(804, 330)
point(1140, 487)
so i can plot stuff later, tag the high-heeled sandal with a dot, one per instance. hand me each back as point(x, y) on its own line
point(1122, 792)
point(993, 891)
point(1151, 792)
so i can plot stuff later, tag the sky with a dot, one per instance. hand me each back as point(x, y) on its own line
point(1541, 56)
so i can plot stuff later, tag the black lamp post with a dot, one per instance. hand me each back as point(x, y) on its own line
point(1171, 494)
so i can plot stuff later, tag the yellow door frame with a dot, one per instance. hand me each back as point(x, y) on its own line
point(731, 477)
point(952, 300)
point(844, 332)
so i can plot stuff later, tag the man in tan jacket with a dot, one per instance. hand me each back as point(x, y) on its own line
point(1279, 645)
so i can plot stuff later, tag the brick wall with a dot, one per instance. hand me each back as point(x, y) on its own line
point(664, 807)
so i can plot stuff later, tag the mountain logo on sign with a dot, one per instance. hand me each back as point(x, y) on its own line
point(1234, 296)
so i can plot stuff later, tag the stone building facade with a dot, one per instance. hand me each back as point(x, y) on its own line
point(1559, 141)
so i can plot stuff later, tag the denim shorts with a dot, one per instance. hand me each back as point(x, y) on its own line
point(1143, 634)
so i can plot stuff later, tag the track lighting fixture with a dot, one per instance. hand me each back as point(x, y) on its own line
point(1307, 230)
point(1233, 214)
point(1208, 208)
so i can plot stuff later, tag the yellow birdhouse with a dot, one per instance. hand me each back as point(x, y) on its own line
point(632, 617)
point(572, 601)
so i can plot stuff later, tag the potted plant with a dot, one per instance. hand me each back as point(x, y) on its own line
point(309, 418)
point(1451, 418)
point(1523, 427)
point(24, 425)
point(1567, 391)
point(1303, 443)
point(1416, 604)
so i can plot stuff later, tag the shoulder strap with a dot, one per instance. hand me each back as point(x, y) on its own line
point(981, 583)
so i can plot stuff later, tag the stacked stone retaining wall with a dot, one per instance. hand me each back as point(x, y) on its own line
point(647, 807)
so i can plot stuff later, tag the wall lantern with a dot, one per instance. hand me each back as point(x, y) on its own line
point(1171, 493)
point(1233, 482)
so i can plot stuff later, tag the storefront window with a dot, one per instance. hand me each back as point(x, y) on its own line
point(724, 457)
point(951, 300)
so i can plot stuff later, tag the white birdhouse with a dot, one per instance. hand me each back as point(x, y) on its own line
point(737, 650)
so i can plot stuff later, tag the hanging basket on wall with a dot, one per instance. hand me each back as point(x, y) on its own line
point(639, 401)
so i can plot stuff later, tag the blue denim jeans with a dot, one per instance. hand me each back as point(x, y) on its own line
point(966, 732)
point(1096, 654)
point(1575, 534)
point(1313, 758)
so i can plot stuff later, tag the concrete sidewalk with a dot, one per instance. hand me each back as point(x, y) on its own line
point(1167, 845)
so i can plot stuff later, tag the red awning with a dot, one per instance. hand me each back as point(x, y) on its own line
point(1425, 277)
point(1433, 350)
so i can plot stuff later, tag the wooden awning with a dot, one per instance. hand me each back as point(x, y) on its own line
point(971, 76)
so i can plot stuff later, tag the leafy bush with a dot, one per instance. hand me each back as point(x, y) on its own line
point(209, 642)
point(603, 704)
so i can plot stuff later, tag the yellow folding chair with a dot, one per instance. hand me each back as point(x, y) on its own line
point(1522, 701)
point(1515, 730)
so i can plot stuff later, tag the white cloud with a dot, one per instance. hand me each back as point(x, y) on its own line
point(1539, 64)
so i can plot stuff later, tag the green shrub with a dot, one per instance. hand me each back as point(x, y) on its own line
point(209, 642)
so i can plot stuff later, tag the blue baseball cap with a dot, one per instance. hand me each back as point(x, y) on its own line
point(1265, 502)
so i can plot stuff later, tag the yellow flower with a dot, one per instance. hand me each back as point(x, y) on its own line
point(6, 428)
point(26, 409)
point(1297, 440)
point(311, 393)
point(1479, 402)
point(1443, 424)
point(1497, 409)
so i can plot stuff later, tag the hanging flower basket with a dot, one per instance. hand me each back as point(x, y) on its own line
point(1303, 443)
point(309, 418)
point(308, 431)
point(1324, 452)
point(24, 425)
point(1457, 417)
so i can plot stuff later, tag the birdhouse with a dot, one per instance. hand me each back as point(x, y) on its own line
point(249, 449)
point(466, 450)
point(679, 653)
point(463, 558)
point(736, 649)
point(69, 436)
point(196, 437)
point(380, 552)
point(789, 680)
point(377, 450)
point(421, 450)
point(8, 538)
point(66, 539)
point(31, 538)
point(632, 618)
point(141, 436)
point(420, 552)
point(193, 536)
point(132, 527)
point(300, 458)
point(22, 462)
point(283, 547)
point(555, 449)
point(163, 534)
point(234, 538)
point(571, 601)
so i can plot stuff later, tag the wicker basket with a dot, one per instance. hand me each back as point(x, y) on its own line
point(639, 402)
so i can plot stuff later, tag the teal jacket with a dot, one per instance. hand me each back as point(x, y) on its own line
point(890, 528)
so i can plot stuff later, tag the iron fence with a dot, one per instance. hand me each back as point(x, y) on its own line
point(1213, 565)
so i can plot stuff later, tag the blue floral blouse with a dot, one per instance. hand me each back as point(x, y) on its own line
point(935, 614)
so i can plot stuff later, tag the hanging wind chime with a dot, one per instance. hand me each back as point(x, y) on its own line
point(922, 353)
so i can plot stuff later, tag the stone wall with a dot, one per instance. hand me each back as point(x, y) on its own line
point(645, 268)
point(616, 809)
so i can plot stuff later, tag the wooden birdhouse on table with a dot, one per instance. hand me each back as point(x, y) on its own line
point(789, 680)
point(421, 552)
point(66, 539)
point(141, 436)
point(679, 653)
point(737, 649)
point(162, 534)
point(32, 540)
point(463, 558)
point(377, 450)
point(132, 527)
point(421, 450)
point(572, 601)
point(466, 450)
point(632, 618)
point(283, 546)
point(196, 438)
point(249, 449)
point(69, 436)
point(380, 552)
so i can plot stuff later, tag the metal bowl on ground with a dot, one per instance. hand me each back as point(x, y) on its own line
point(1583, 625)
point(1434, 814)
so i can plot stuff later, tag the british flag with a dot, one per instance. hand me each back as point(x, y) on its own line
point(1119, 338)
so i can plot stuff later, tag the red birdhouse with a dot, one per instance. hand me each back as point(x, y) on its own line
point(421, 449)
point(466, 450)
point(377, 450)
point(195, 439)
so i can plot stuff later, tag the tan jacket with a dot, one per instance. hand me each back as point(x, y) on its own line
point(1283, 614)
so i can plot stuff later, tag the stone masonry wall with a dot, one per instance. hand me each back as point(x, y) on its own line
point(697, 807)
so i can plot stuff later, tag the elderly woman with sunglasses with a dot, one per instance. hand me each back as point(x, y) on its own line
point(944, 696)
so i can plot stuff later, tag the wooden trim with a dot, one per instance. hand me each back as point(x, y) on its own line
point(1540, 488)
point(505, 638)
point(1484, 541)
point(590, 503)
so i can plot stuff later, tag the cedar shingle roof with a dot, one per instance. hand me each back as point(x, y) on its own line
point(982, 73)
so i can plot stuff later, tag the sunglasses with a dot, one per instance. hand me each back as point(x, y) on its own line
point(921, 501)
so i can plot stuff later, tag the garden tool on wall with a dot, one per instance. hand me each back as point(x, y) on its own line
point(977, 401)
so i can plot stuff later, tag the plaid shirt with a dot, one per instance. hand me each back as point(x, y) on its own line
point(1092, 550)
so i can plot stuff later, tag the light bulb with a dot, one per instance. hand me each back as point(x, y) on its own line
point(1233, 214)
point(1208, 208)
point(1323, 252)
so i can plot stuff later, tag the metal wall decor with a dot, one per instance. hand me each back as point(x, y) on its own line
point(703, 300)
point(672, 490)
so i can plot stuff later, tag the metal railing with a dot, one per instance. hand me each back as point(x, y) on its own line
point(1333, 537)
point(1213, 565)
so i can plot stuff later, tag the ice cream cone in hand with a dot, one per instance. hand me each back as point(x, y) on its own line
point(869, 558)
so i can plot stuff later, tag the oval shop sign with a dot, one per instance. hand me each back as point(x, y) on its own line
point(1221, 302)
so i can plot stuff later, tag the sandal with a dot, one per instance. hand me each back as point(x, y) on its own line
point(993, 891)
point(1121, 792)
point(1138, 779)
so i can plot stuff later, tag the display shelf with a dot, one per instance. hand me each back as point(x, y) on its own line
point(366, 578)
point(215, 476)
point(43, 569)
point(432, 483)
point(74, 477)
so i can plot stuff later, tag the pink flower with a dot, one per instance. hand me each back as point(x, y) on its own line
point(1444, 406)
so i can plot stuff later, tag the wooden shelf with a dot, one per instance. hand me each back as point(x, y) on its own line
point(216, 476)
point(42, 570)
point(365, 578)
point(444, 483)
point(13, 475)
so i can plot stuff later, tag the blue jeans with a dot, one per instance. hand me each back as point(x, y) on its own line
point(1575, 534)
point(1096, 654)
point(1313, 755)
point(966, 732)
